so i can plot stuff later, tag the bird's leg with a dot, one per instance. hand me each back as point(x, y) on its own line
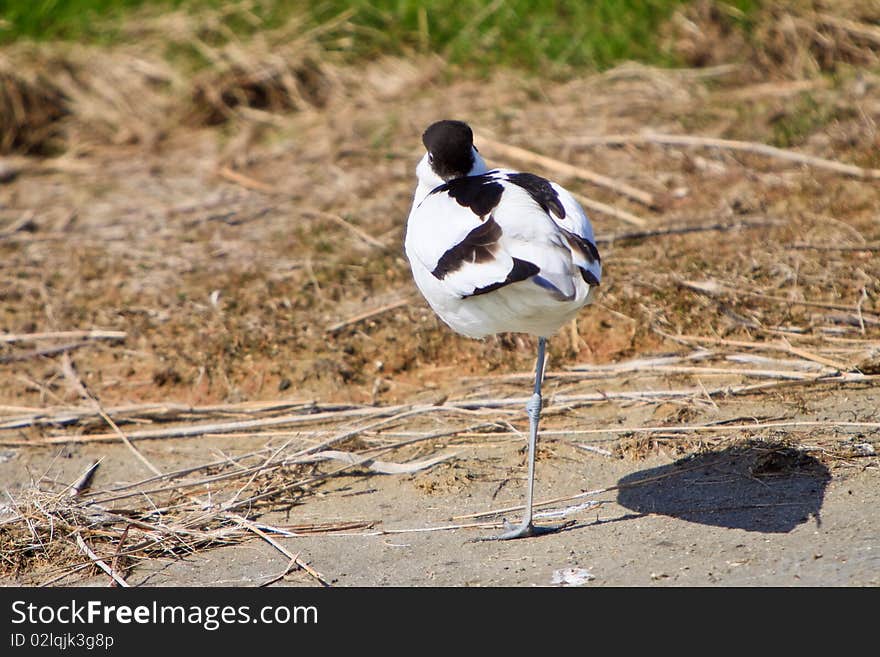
point(533, 408)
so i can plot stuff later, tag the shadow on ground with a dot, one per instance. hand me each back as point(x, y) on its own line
point(759, 487)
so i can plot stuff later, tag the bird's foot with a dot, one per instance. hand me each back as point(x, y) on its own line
point(524, 530)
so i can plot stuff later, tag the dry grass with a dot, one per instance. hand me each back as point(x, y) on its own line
point(29, 109)
point(787, 39)
point(132, 94)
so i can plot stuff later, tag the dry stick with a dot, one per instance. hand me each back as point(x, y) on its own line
point(81, 544)
point(808, 355)
point(63, 335)
point(642, 395)
point(698, 428)
point(872, 246)
point(597, 450)
point(421, 530)
point(334, 328)
point(644, 365)
point(247, 524)
point(366, 237)
point(164, 411)
point(564, 402)
point(45, 351)
point(761, 346)
point(610, 210)
point(327, 527)
point(682, 230)
point(216, 427)
point(115, 563)
point(732, 144)
point(809, 304)
point(70, 373)
point(252, 183)
point(563, 168)
point(555, 500)
point(84, 481)
point(579, 374)
point(714, 288)
point(245, 181)
point(290, 566)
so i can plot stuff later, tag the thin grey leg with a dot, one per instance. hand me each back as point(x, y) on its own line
point(533, 408)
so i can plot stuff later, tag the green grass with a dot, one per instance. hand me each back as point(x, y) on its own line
point(518, 33)
point(530, 34)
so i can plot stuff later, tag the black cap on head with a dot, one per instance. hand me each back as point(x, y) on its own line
point(450, 143)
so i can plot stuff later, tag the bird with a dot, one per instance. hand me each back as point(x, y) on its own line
point(498, 251)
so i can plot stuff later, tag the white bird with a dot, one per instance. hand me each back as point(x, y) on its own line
point(498, 251)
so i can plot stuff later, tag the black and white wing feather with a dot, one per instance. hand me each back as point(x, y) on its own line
point(476, 234)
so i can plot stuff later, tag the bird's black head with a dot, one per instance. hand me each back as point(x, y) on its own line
point(450, 146)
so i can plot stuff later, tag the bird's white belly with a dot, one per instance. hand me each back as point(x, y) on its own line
point(521, 307)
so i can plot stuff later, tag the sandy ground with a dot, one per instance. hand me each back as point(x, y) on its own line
point(729, 517)
point(245, 288)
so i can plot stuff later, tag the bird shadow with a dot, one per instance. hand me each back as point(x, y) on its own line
point(757, 486)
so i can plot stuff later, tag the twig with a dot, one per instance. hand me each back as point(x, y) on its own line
point(45, 351)
point(761, 346)
point(192, 430)
point(592, 448)
point(647, 395)
point(610, 210)
point(732, 371)
point(245, 181)
point(81, 544)
point(422, 530)
point(115, 563)
point(85, 480)
point(334, 328)
point(537, 504)
point(359, 233)
point(714, 288)
point(290, 566)
point(731, 144)
point(160, 412)
point(563, 168)
point(95, 334)
point(329, 527)
point(697, 428)
point(380, 467)
point(682, 230)
point(873, 246)
point(247, 524)
point(77, 383)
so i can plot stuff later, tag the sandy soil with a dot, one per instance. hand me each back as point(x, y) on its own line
point(244, 287)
